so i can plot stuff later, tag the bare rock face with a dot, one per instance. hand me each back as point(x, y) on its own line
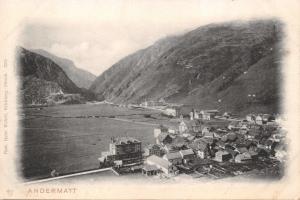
point(233, 66)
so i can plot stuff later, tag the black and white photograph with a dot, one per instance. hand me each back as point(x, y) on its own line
point(200, 104)
point(141, 92)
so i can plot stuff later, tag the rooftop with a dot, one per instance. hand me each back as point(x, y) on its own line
point(124, 140)
point(187, 152)
point(159, 161)
point(173, 155)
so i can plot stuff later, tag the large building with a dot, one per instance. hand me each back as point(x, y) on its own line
point(123, 151)
point(208, 114)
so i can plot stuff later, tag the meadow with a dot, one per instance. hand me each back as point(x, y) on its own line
point(69, 138)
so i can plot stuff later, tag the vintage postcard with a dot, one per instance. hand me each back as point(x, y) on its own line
point(139, 99)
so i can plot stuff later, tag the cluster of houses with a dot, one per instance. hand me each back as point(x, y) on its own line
point(194, 140)
point(203, 114)
point(240, 141)
point(261, 119)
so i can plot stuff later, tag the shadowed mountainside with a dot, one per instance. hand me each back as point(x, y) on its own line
point(44, 82)
point(80, 77)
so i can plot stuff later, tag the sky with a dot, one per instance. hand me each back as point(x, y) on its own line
point(93, 47)
point(96, 34)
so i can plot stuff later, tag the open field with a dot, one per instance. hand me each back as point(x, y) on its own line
point(69, 139)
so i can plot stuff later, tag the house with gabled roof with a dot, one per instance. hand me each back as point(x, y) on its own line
point(154, 149)
point(259, 120)
point(222, 156)
point(187, 155)
point(164, 165)
point(182, 128)
point(174, 157)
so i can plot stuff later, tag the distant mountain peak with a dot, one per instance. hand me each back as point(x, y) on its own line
point(80, 77)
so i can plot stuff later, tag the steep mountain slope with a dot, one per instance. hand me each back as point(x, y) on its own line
point(80, 77)
point(41, 79)
point(231, 66)
point(120, 75)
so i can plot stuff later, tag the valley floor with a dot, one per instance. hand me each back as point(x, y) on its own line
point(70, 138)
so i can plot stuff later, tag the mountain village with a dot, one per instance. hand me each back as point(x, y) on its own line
point(204, 143)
